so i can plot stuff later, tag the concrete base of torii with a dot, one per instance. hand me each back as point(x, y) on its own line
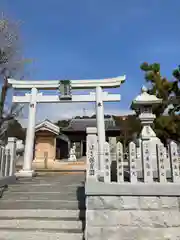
point(26, 173)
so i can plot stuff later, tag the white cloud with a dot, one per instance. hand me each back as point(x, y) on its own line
point(55, 112)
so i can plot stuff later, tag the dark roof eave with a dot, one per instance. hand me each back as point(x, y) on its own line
point(113, 129)
point(84, 130)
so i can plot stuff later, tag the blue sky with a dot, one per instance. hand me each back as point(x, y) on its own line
point(84, 39)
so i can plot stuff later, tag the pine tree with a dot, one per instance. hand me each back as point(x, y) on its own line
point(167, 122)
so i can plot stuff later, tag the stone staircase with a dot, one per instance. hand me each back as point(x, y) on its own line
point(45, 207)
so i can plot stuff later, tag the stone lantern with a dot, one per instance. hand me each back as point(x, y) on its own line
point(143, 105)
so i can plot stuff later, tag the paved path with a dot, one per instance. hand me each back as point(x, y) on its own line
point(58, 165)
point(46, 207)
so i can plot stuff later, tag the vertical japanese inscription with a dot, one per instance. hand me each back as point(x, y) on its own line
point(147, 162)
point(132, 159)
point(174, 162)
point(91, 161)
point(120, 166)
point(65, 90)
point(107, 163)
point(161, 162)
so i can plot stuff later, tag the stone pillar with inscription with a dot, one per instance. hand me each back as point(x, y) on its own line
point(91, 154)
point(112, 143)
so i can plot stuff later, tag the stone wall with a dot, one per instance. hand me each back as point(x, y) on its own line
point(132, 217)
point(117, 217)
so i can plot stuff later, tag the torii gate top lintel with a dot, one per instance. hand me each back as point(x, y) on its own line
point(75, 84)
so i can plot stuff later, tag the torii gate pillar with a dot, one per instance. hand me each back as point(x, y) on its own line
point(30, 136)
point(100, 126)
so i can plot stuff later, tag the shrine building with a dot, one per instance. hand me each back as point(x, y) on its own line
point(55, 143)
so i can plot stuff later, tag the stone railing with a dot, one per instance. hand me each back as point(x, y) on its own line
point(141, 165)
point(7, 162)
point(143, 201)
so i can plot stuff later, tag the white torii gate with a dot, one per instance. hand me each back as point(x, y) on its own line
point(65, 86)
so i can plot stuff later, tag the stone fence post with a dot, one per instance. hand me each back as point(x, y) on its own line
point(12, 148)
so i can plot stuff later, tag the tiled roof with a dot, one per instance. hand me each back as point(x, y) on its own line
point(82, 124)
point(47, 125)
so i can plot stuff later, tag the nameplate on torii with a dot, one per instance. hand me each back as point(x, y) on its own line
point(65, 90)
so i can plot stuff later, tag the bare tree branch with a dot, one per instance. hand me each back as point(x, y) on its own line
point(11, 63)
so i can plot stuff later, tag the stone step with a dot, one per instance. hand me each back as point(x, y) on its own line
point(38, 224)
point(77, 191)
point(48, 183)
point(43, 186)
point(43, 235)
point(41, 204)
point(56, 186)
point(56, 178)
point(45, 189)
point(60, 183)
point(61, 193)
point(64, 181)
point(42, 213)
point(41, 196)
